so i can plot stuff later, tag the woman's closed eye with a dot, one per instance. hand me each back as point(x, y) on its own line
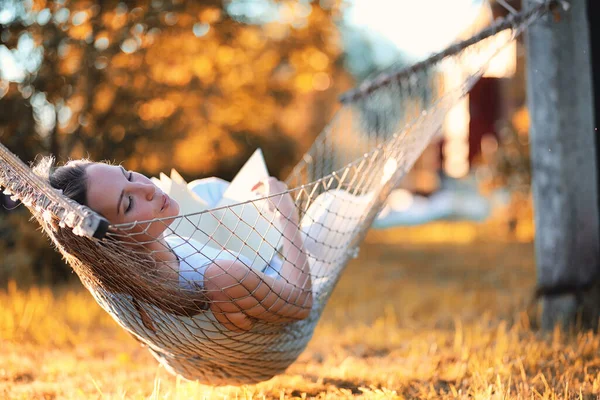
point(130, 198)
point(130, 205)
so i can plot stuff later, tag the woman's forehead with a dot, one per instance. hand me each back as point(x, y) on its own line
point(104, 185)
point(100, 173)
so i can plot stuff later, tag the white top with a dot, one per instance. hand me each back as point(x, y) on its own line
point(194, 258)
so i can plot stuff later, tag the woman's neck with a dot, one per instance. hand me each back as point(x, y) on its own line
point(167, 263)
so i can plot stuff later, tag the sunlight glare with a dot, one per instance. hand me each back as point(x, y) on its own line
point(9, 70)
point(415, 27)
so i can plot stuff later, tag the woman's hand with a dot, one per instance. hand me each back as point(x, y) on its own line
point(283, 204)
point(240, 296)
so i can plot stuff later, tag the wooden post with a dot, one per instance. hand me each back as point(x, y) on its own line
point(594, 24)
point(563, 154)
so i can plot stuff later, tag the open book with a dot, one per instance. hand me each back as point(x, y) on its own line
point(248, 228)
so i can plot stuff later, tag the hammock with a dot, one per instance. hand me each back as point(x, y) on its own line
point(338, 188)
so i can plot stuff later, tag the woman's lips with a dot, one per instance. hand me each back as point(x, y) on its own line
point(166, 202)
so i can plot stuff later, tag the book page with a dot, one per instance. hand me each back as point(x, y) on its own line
point(248, 229)
point(240, 189)
point(189, 202)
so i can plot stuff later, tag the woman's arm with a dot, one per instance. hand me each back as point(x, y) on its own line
point(238, 293)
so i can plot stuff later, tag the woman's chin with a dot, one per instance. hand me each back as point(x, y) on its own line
point(174, 207)
point(168, 221)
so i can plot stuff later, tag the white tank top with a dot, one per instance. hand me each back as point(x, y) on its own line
point(194, 258)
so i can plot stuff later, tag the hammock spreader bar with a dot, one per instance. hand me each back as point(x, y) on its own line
point(18, 181)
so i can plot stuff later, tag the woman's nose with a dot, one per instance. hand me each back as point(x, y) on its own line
point(148, 190)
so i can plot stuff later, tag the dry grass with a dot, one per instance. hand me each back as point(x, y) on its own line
point(407, 320)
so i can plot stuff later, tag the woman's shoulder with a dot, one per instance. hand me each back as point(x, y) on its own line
point(193, 254)
point(193, 258)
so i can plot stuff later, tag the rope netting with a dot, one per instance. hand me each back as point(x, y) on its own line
point(232, 294)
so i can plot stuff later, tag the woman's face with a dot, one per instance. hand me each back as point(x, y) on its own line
point(123, 196)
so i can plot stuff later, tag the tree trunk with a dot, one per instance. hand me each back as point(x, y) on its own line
point(563, 154)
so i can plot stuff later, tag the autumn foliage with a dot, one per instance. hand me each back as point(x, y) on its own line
point(171, 83)
point(195, 86)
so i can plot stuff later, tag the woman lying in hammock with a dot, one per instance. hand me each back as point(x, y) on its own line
point(236, 294)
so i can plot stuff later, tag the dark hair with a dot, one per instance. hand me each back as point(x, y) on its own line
point(72, 180)
point(108, 264)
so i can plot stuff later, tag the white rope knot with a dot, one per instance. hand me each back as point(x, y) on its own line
point(79, 231)
point(48, 218)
